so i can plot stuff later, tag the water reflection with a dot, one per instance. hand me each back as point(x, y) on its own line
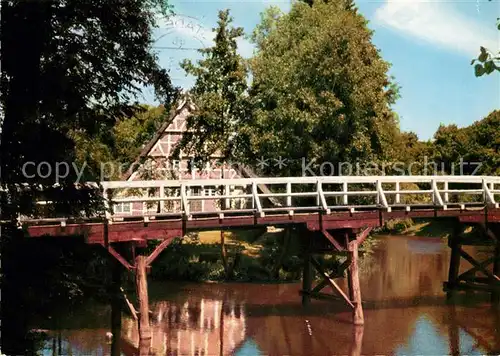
point(405, 313)
point(199, 326)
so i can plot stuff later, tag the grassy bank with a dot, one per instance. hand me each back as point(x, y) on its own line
point(249, 256)
point(441, 228)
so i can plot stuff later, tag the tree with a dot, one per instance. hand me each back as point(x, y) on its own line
point(130, 135)
point(268, 21)
point(69, 69)
point(489, 61)
point(219, 95)
point(347, 4)
point(477, 146)
point(118, 146)
point(71, 66)
point(320, 91)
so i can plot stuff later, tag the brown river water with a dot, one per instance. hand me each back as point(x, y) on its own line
point(406, 313)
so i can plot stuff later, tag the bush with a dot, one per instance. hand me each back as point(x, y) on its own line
point(396, 226)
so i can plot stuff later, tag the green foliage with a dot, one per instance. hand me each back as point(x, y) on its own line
point(130, 135)
point(489, 62)
point(219, 96)
point(479, 142)
point(69, 70)
point(319, 81)
point(396, 226)
point(268, 21)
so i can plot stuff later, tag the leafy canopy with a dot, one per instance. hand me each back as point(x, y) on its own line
point(320, 89)
point(219, 95)
point(477, 143)
point(489, 61)
point(71, 66)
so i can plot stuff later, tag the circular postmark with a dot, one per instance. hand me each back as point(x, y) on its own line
point(183, 32)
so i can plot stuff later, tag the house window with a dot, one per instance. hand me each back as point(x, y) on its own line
point(195, 205)
point(122, 208)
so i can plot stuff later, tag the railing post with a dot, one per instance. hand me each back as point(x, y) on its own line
point(488, 196)
point(318, 200)
point(289, 192)
point(184, 202)
point(227, 191)
point(436, 197)
point(108, 206)
point(344, 189)
point(381, 199)
point(398, 196)
point(446, 195)
point(255, 195)
point(203, 199)
point(321, 197)
point(162, 196)
point(289, 197)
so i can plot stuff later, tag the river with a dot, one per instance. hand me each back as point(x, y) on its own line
point(405, 314)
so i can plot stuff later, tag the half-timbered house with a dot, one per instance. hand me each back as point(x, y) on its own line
point(156, 162)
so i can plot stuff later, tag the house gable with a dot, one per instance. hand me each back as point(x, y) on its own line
point(155, 160)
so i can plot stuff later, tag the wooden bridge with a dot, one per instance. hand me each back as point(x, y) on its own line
point(334, 214)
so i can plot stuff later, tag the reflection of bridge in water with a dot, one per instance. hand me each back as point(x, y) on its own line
point(196, 327)
point(404, 304)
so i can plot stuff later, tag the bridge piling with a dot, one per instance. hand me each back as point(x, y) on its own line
point(354, 287)
point(142, 296)
point(495, 296)
point(454, 244)
point(340, 242)
point(480, 277)
point(307, 278)
point(116, 310)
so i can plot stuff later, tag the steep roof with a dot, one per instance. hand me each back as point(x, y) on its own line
point(185, 103)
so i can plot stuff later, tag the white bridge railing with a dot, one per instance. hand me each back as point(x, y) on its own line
point(289, 195)
point(324, 193)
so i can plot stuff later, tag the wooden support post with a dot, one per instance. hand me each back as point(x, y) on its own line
point(116, 310)
point(453, 332)
point(357, 340)
point(274, 272)
point(142, 296)
point(454, 244)
point(144, 347)
point(307, 278)
point(223, 253)
point(495, 295)
point(354, 288)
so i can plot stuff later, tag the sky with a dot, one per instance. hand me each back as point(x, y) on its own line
point(429, 44)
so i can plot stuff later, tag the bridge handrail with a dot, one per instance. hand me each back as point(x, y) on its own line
point(301, 180)
point(384, 187)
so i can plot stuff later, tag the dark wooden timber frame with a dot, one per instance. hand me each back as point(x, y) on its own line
point(479, 277)
point(341, 242)
point(140, 266)
point(140, 230)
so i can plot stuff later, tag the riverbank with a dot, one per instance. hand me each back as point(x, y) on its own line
point(263, 255)
point(437, 228)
